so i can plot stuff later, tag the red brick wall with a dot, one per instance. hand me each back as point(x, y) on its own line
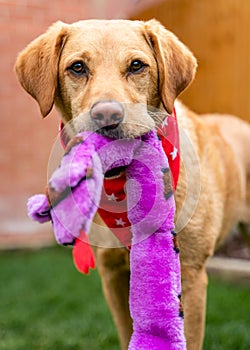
point(25, 139)
point(28, 138)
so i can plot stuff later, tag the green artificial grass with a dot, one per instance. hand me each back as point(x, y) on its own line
point(228, 316)
point(45, 304)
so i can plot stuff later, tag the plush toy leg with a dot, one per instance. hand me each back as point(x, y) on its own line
point(154, 295)
point(155, 285)
point(142, 341)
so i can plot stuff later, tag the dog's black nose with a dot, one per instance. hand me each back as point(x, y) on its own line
point(107, 114)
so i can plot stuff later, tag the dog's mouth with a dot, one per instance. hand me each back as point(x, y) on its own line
point(110, 127)
point(112, 131)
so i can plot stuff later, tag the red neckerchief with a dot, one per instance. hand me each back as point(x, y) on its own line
point(113, 204)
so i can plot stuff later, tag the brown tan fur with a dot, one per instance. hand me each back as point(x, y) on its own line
point(213, 190)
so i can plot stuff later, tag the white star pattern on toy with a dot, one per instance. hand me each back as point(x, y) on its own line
point(120, 222)
point(165, 122)
point(112, 197)
point(174, 153)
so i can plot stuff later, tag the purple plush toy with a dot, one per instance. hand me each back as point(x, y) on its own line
point(73, 197)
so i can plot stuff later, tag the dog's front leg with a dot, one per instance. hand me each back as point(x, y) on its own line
point(194, 288)
point(113, 266)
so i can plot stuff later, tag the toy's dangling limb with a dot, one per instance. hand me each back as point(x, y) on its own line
point(155, 268)
point(73, 196)
point(74, 190)
point(82, 254)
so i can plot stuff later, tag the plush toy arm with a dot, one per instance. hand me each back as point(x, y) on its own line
point(77, 161)
point(39, 208)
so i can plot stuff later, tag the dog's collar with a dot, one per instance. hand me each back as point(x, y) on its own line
point(168, 132)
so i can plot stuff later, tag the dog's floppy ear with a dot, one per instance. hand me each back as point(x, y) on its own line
point(37, 66)
point(176, 63)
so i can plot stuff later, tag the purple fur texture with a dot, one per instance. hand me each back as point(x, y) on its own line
point(76, 185)
point(74, 212)
point(38, 208)
point(155, 268)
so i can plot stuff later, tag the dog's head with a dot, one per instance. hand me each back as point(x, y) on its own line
point(106, 75)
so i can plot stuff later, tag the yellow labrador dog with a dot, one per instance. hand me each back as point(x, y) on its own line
point(112, 74)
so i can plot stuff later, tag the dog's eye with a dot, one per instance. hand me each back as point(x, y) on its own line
point(136, 66)
point(78, 68)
